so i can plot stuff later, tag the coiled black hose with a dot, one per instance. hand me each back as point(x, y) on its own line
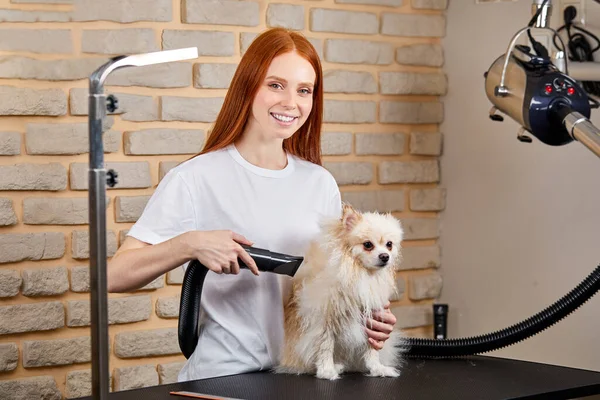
point(446, 348)
point(191, 293)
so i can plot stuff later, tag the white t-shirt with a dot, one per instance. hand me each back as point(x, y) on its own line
point(279, 210)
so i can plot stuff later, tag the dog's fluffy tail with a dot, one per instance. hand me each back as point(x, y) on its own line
point(394, 349)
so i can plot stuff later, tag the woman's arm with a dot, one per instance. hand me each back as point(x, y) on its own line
point(137, 263)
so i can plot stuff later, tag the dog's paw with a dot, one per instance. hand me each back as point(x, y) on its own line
point(339, 368)
point(330, 373)
point(383, 371)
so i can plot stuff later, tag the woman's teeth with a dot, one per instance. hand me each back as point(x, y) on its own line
point(283, 118)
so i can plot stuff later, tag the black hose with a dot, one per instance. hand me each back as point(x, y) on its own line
point(191, 293)
point(445, 348)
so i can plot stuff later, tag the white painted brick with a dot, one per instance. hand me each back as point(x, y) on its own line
point(44, 353)
point(429, 55)
point(412, 316)
point(32, 317)
point(123, 236)
point(354, 51)
point(168, 307)
point(426, 143)
point(190, 109)
point(132, 175)
point(380, 143)
point(413, 25)
point(7, 212)
point(339, 21)
point(164, 167)
point(167, 373)
point(220, 12)
point(26, 101)
point(67, 139)
point(421, 228)
point(213, 76)
point(80, 244)
point(10, 282)
point(349, 112)
point(175, 276)
point(209, 43)
point(136, 377)
point(167, 75)
point(130, 208)
point(48, 41)
point(409, 171)
point(163, 141)
point(10, 143)
point(119, 41)
point(429, 4)
point(420, 257)
point(17, 67)
point(148, 343)
point(79, 384)
point(9, 356)
point(288, 16)
point(433, 199)
point(340, 81)
point(398, 112)
point(30, 388)
point(400, 289)
point(44, 1)
point(33, 16)
point(56, 211)
point(46, 281)
point(351, 173)
point(52, 177)
point(333, 143)
point(423, 287)
point(132, 107)
point(246, 39)
point(155, 284)
point(123, 11)
point(389, 3)
point(80, 279)
point(376, 200)
point(404, 83)
point(16, 247)
point(121, 310)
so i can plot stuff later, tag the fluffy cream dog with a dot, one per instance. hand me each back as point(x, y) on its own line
point(347, 274)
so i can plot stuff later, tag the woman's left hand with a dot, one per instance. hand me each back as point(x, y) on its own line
point(380, 326)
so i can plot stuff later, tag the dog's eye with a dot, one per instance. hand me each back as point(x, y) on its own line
point(389, 245)
point(368, 245)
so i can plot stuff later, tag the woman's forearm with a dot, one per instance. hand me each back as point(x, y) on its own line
point(136, 267)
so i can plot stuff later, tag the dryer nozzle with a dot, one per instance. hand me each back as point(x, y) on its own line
point(270, 261)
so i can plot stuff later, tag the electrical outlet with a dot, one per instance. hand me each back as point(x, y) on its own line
point(579, 18)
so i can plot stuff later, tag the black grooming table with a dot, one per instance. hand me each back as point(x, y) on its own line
point(474, 377)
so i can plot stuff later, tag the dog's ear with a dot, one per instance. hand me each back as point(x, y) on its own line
point(350, 217)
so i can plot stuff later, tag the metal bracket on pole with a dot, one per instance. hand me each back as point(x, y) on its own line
point(98, 104)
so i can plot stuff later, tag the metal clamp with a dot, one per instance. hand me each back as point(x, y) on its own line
point(502, 90)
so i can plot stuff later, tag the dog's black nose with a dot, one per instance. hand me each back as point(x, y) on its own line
point(384, 257)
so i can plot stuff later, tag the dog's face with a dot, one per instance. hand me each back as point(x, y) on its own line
point(374, 238)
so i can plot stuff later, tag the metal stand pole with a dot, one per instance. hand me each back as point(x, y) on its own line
point(97, 176)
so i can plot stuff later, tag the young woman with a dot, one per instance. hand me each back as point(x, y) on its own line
point(258, 181)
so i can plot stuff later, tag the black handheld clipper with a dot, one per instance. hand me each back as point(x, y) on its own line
point(193, 280)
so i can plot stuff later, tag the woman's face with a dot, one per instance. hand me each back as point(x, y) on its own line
point(284, 99)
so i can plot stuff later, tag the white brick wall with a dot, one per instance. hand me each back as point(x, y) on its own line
point(383, 79)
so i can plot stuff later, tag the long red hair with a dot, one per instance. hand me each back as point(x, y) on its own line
point(250, 73)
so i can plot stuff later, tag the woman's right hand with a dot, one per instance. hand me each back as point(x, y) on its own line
point(218, 250)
